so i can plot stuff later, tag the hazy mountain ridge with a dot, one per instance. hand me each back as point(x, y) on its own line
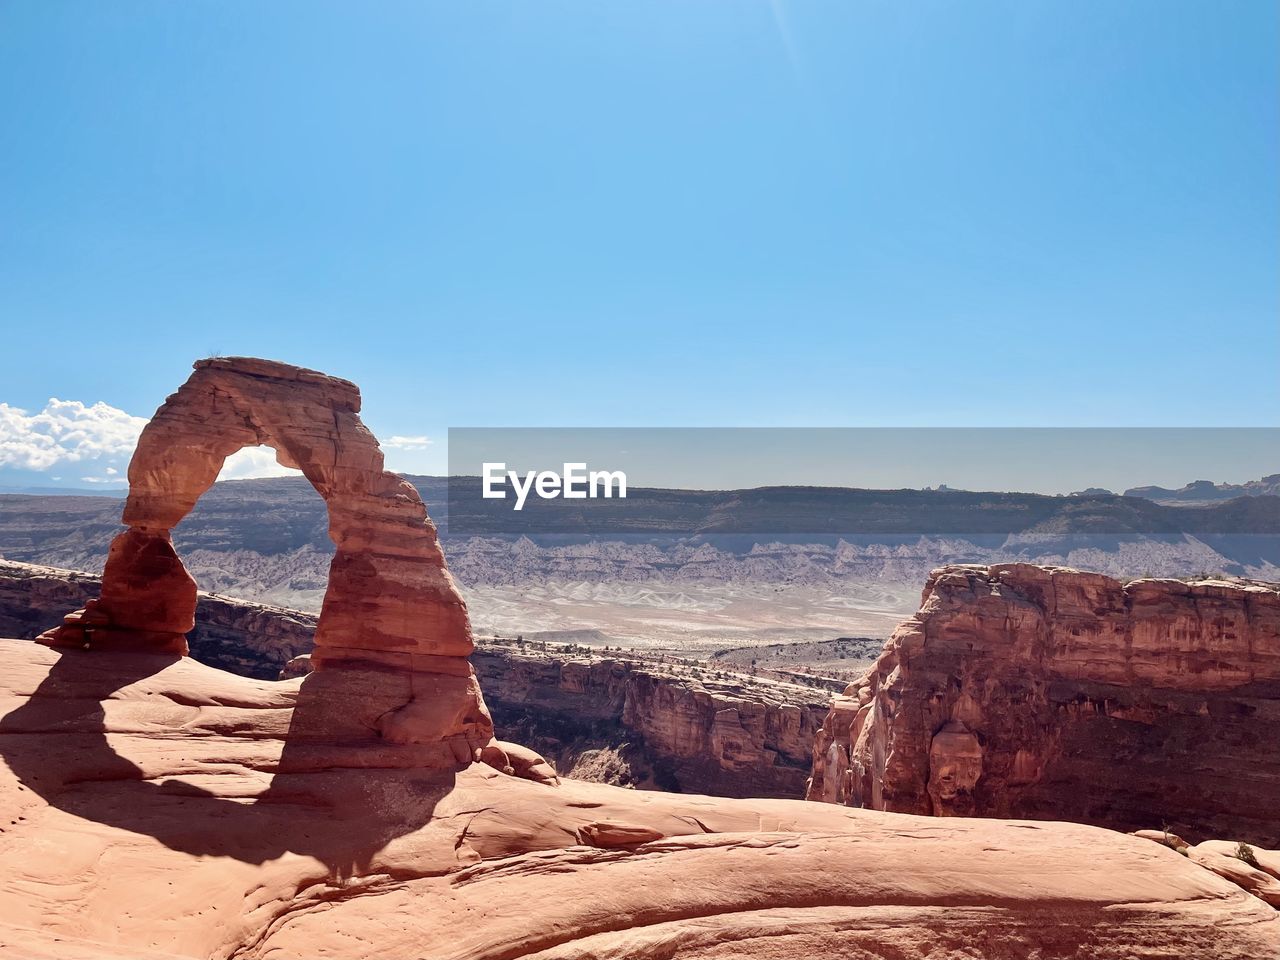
point(1206, 491)
point(267, 540)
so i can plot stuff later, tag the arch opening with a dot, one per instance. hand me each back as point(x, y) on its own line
point(260, 533)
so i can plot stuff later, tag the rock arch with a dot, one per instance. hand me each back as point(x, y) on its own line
point(391, 606)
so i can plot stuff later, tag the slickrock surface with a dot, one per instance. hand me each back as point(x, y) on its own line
point(1048, 693)
point(392, 618)
point(156, 807)
point(1253, 869)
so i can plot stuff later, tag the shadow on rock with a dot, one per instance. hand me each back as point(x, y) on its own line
point(250, 770)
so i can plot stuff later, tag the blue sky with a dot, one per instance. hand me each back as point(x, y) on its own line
point(660, 213)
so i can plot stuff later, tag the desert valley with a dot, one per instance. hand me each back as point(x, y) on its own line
point(1010, 757)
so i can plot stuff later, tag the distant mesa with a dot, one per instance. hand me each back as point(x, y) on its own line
point(30, 490)
point(1206, 491)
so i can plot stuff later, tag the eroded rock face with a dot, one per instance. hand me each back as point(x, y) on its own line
point(391, 605)
point(955, 766)
point(699, 732)
point(1048, 693)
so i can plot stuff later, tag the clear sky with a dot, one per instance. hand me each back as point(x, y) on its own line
point(663, 213)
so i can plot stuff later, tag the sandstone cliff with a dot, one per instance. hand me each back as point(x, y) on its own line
point(1049, 693)
point(690, 729)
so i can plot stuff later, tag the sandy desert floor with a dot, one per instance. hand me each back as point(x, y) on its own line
point(690, 619)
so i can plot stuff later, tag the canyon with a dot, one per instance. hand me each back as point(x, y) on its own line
point(1048, 693)
point(364, 807)
point(246, 638)
point(267, 541)
point(643, 722)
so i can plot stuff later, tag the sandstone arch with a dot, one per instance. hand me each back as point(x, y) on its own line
point(391, 606)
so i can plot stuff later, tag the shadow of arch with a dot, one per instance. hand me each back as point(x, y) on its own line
point(339, 799)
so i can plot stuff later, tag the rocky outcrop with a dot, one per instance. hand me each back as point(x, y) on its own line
point(392, 619)
point(1250, 868)
point(156, 807)
point(698, 730)
point(1202, 491)
point(1048, 693)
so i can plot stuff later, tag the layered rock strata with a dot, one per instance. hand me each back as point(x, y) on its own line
point(1048, 693)
point(690, 729)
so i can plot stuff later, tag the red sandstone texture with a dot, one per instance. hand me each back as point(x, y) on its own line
point(1048, 693)
point(392, 620)
point(157, 807)
point(251, 639)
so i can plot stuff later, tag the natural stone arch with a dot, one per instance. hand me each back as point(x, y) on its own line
point(391, 605)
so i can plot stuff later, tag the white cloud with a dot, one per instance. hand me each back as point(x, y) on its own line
point(254, 462)
point(68, 431)
point(65, 431)
point(407, 443)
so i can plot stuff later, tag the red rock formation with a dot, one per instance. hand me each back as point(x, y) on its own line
point(1053, 694)
point(391, 604)
point(156, 807)
point(1250, 868)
